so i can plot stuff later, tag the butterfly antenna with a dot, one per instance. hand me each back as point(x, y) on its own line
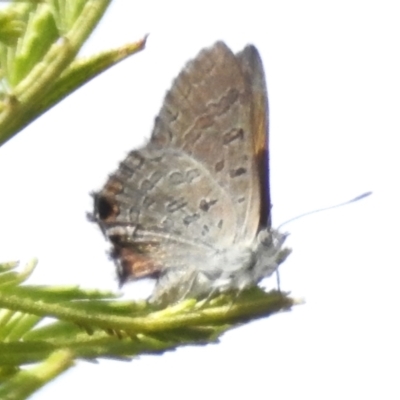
point(361, 196)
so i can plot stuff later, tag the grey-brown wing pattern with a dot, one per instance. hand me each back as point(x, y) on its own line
point(208, 114)
point(150, 207)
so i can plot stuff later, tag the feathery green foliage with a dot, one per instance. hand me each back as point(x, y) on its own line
point(89, 324)
point(39, 42)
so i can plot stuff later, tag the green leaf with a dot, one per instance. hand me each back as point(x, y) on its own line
point(90, 324)
point(37, 55)
point(25, 382)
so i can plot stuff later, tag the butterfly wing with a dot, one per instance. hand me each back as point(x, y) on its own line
point(216, 112)
point(151, 212)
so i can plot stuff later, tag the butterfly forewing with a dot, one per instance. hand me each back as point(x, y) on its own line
point(208, 114)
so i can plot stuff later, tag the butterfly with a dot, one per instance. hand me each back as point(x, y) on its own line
point(192, 207)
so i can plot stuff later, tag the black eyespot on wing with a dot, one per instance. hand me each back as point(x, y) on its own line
point(104, 208)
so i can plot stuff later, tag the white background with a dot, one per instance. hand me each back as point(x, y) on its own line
point(333, 75)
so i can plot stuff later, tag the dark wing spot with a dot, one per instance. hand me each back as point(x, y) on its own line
point(205, 205)
point(190, 218)
point(205, 230)
point(226, 102)
point(232, 135)
point(233, 173)
point(175, 205)
point(105, 208)
point(219, 166)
